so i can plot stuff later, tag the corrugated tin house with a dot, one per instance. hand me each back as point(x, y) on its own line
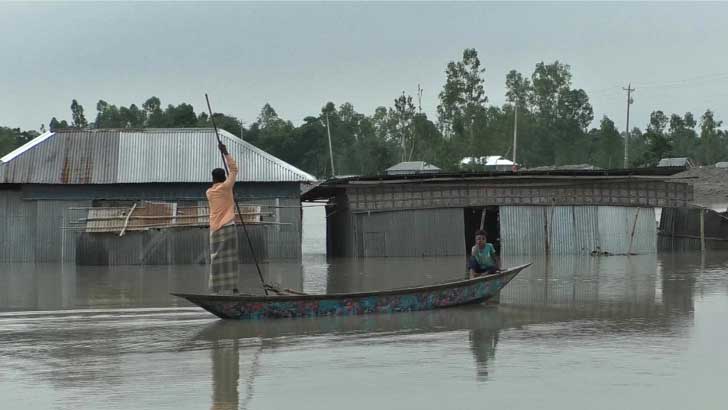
point(675, 162)
point(489, 163)
point(564, 212)
point(412, 167)
point(50, 185)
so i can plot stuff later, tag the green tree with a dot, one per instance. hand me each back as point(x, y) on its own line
point(153, 113)
point(180, 116)
point(518, 89)
point(108, 116)
point(638, 149)
point(12, 138)
point(133, 117)
point(403, 115)
point(273, 134)
point(550, 83)
point(463, 97)
point(560, 114)
point(607, 145)
point(79, 120)
point(658, 142)
point(711, 139)
point(683, 136)
point(55, 125)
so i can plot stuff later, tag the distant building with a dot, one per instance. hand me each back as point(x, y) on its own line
point(57, 191)
point(488, 163)
point(675, 162)
point(412, 167)
point(721, 164)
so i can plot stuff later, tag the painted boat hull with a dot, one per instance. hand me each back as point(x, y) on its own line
point(400, 300)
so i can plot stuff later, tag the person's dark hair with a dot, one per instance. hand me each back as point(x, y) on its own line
point(480, 232)
point(218, 175)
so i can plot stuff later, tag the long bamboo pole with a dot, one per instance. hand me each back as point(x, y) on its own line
point(227, 172)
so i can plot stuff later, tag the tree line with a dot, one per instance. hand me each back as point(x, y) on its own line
point(553, 120)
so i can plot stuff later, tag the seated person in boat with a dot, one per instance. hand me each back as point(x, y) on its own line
point(223, 233)
point(483, 259)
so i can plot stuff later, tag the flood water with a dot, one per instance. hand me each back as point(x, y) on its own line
point(639, 332)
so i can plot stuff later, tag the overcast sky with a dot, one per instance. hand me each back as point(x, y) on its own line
point(297, 56)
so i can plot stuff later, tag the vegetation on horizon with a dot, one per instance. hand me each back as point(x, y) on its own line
point(553, 127)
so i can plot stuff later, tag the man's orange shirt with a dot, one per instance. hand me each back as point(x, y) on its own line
point(220, 198)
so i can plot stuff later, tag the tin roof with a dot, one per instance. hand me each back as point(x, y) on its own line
point(488, 161)
point(413, 166)
point(138, 156)
point(675, 162)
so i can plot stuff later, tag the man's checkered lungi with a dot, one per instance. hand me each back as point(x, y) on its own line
point(224, 259)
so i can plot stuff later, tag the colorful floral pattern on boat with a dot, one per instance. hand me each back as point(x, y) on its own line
point(472, 291)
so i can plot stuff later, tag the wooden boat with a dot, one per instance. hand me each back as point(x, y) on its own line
point(437, 296)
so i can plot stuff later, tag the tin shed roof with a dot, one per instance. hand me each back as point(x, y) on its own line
point(413, 166)
point(138, 156)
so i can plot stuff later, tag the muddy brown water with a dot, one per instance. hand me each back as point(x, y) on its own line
point(571, 332)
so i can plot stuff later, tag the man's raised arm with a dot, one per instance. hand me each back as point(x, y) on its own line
point(232, 167)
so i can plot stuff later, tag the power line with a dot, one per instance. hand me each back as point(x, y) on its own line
point(705, 79)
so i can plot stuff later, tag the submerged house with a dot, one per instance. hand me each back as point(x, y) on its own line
point(561, 212)
point(138, 197)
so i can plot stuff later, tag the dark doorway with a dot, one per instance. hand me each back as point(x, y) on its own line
point(472, 218)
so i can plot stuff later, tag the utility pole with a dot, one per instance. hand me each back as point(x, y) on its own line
point(419, 98)
point(629, 90)
point(242, 123)
point(402, 127)
point(331, 151)
point(515, 132)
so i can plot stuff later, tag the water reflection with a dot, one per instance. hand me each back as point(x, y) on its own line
point(225, 374)
point(118, 318)
point(56, 286)
point(482, 344)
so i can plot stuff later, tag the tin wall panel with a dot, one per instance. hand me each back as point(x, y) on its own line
point(614, 228)
point(616, 225)
point(49, 229)
point(191, 245)
point(431, 232)
point(586, 228)
point(17, 224)
point(523, 229)
point(576, 230)
point(645, 232)
point(33, 231)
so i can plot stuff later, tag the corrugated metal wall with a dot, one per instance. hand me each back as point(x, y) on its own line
point(191, 245)
point(423, 232)
point(680, 229)
point(534, 230)
point(32, 231)
point(49, 235)
point(17, 227)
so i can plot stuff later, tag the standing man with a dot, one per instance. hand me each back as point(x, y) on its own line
point(223, 233)
point(482, 257)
